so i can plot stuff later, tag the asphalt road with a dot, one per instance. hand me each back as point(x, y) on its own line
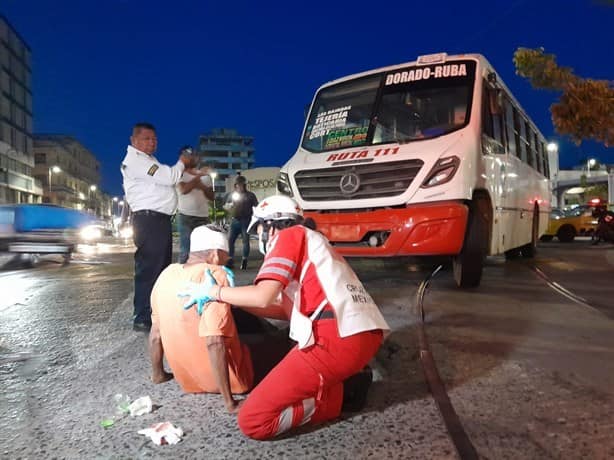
point(529, 369)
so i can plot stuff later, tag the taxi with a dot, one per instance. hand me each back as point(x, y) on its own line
point(567, 224)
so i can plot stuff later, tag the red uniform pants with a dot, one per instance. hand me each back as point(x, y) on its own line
point(307, 385)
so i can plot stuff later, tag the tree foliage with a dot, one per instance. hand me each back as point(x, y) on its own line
point(585, 109)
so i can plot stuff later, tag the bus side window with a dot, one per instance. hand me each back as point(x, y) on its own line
point(546, 160)
point(530, 140)
point(509, 123)
point(487, 119)
point(539, 154)
point(492, 115)
point(519, 134)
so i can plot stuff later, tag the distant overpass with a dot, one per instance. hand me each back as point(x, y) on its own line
point(560, 187)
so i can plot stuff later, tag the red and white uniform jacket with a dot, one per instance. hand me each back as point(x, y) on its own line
point(315, 276)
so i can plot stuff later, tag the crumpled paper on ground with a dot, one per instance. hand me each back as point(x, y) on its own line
point(140, 406)
point(163, 433)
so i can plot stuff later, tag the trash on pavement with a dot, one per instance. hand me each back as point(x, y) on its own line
point(163, 433)
point(121, 403)
point(140, 406)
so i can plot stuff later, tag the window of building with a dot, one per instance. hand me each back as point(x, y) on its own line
point(40, 158)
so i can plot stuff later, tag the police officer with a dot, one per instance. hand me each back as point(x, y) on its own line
point(150, 193)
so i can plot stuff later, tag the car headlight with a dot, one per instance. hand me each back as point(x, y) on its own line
point(126, 232)
point(283, 185)
point(91, 232)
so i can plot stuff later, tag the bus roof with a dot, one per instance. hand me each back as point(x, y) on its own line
point(484, 65)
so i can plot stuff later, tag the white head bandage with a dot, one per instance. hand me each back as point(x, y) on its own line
point(204, 239)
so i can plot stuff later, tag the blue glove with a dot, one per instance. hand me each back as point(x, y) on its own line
point(199, 293)
point(230, 275)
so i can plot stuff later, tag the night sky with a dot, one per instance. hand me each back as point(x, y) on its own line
point(101, 66)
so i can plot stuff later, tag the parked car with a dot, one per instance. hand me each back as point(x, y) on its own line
point(567, 224)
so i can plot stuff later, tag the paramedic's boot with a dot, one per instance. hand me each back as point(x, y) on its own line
point(355, 390)
point(244, 264)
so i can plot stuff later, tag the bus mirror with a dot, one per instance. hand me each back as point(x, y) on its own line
point(495, 101)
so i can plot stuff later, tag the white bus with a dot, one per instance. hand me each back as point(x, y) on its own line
point(427, 158)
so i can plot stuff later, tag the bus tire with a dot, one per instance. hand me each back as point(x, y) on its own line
point(467, 266)
point(566, 234)
point(529, 251)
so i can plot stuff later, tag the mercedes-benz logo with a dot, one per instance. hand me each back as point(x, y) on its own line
point(349, 183)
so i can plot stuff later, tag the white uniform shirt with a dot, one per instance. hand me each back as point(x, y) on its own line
point(148, 184)
point(193, 203)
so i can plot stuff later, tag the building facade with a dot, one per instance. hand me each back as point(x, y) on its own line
point(226, 152)
point(70, 174)
point(17, 183)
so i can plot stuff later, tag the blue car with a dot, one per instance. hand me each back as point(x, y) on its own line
point(33, 229)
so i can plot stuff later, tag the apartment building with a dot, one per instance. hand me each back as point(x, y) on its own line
point(17, 184)
point(70, 174)
point(226, 152)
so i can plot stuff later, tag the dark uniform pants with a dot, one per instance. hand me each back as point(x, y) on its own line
point(154, 248)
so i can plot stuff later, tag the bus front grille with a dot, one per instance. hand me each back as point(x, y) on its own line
point(357, 181)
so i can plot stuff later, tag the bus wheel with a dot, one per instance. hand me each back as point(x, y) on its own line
point(529, 250)
point(566, 234)
point(467, 266)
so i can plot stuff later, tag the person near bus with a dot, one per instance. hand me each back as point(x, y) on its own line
point(194, 192)
point(337, 325)
point(204, 351)
point(240, 203)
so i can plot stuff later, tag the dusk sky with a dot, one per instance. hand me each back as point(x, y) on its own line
point(190, 66)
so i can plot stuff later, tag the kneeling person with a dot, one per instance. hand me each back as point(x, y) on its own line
point(204, 352)
point(337, 325)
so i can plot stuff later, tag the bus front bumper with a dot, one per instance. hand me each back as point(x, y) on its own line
point(415, 230)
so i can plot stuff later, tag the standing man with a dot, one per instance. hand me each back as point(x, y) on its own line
point(195, 192)
point(240, 203)
point(204, 352)
point(150, 193)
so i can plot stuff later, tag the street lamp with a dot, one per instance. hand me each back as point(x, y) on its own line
point(213, 175)
point(56, 170)
point(589, 164)
point(115, 200)
point(92, 189)
point(552, 147)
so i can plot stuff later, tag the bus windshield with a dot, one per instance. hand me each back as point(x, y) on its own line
point(404, 105)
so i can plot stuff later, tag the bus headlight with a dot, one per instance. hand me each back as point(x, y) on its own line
point(442, 172)
point(283, 185)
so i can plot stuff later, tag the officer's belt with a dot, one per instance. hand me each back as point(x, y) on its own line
point(149, 212)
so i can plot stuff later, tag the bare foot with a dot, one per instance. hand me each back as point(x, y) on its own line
point(235, 406)
point(161, 378)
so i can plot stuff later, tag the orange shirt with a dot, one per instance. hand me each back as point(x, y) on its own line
point(183, 332)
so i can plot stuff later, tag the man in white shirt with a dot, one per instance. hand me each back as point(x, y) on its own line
point(194, 193)
point(150, 193)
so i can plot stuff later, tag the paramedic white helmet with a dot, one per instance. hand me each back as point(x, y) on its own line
point(276, 207)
